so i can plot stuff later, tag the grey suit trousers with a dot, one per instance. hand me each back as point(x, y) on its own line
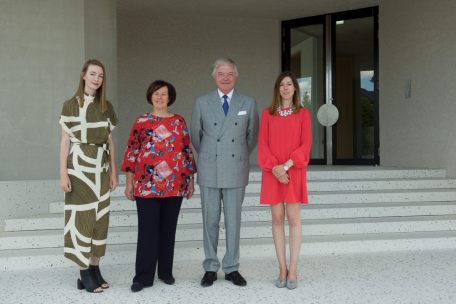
point(211, 200)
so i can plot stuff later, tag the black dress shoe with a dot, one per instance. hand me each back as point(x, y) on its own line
point(208, 278)
point(136, 286)
point(168, 280)
point(236, 278)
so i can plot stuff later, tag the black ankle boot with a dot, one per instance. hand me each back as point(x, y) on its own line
point(95, 270)
point(88, 281)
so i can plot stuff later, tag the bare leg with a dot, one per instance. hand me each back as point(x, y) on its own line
point(278, 235)
point(295, 238)
point(94, 260)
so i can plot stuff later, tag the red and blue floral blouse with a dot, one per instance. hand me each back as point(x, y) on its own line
point(159, 155)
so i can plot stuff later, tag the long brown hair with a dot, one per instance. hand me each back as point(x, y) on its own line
point(276, 98)
point(101, 92)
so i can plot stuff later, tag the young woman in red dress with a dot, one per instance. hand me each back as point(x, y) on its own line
point(159, 165)
point(284, 145)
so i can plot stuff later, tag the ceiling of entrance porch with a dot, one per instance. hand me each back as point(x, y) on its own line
point(274, 9)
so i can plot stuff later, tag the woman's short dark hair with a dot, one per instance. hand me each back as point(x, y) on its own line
point(157, 85)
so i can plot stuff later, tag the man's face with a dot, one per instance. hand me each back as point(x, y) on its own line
point(225, 79)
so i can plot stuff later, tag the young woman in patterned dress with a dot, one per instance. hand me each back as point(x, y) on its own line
point(159, 165)
point(87, 173)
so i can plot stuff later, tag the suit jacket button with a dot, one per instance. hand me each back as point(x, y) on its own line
point(218, 139)
point(232, 155)
point(215, 123)
point(235, 123)
point(232, 140)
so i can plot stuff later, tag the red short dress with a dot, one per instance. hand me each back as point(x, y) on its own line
point(282, 138)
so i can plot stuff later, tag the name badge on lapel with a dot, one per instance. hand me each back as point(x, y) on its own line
point(242, 113)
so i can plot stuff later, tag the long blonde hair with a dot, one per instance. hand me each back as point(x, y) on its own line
point(276, 98)
point(101, 92)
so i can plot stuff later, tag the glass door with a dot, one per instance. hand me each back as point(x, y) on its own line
point(305, 58)
point(335, 58)
point(355, 87)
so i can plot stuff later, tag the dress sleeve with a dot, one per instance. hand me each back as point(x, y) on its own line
point(132, 150)
point(112, 117)
point(266, 160)
point(188, 159)
point(67, 115)
point(301, 155)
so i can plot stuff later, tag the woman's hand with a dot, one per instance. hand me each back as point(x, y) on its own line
point(284, 179)
point(65, 183)
point(190, 188)
point(113, 183)
point(278, 171)
point(129, 193)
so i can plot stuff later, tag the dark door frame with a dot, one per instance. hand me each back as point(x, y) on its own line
point(355, 14)
point(286, 27)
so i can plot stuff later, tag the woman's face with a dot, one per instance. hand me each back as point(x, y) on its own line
point(93, 79)
point(287, 89)
point(160, 98)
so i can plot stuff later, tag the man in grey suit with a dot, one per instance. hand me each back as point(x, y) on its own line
point(224, 131)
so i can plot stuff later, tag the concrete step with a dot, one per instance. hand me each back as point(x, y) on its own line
point(350, 185)
point(352, 172)
point(367, 172)
point(250, 230)
point(315, 198)
point(250, 248)
point(352, 209)
point(257, 213)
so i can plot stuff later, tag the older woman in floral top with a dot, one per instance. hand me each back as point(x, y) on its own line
point(159, 165)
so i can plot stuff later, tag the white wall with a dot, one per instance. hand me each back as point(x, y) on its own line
point(41, 41)
point(100, 39)
point(43, 47)
point(418, 43)
point(182, 49)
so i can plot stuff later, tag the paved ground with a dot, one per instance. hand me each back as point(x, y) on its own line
point(402, 277)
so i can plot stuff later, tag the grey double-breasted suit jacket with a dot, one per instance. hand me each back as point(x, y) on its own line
point(224, 143)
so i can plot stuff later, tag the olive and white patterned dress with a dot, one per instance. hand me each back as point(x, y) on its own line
point(87, 205)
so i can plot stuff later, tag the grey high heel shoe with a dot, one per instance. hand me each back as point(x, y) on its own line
point(292, 284)
point(280, 283)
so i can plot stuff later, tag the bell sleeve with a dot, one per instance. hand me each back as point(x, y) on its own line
point(132, 150)
point(188, 159)
point(266, 160)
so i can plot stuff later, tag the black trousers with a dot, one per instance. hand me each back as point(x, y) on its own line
point(157, 221)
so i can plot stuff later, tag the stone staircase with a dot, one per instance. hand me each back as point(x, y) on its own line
point(352, 209)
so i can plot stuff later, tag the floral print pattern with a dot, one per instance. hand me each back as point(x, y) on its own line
point(159, 155)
